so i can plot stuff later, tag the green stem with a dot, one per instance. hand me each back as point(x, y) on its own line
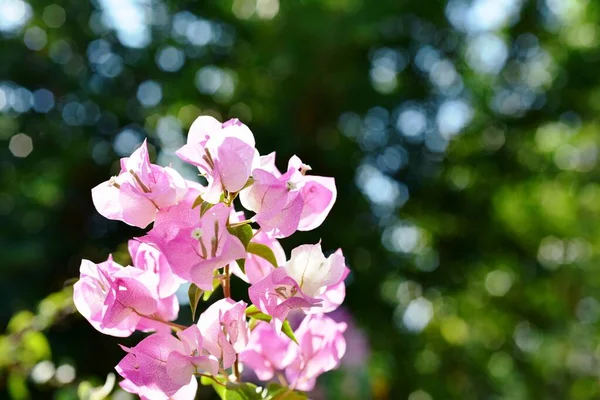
point(236, 224)
point(212, 378)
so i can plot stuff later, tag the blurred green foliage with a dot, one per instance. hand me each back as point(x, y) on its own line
point(462, 134)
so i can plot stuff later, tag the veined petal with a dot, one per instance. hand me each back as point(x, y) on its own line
point(309, 267)
point(138, 210)
point(105, 197)
point(318, 195)
point(234, 158)
point(202, 129)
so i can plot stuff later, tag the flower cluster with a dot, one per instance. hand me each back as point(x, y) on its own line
point(199, 239)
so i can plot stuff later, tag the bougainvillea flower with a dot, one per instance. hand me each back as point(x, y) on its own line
point(224, 152)
point(298, 284)
point(195, 245)
point(314, 273)
point(140, 189)
point(333, 295)
point(267, 351)
point(289, 202)
point(161, 365)
point(149, 258)
point(186, 392)
point(321, 347)
point(225, 329)
point(90, 292)
point(116, 300)
point(278, 294)
point(257, 267)
point(201, 243)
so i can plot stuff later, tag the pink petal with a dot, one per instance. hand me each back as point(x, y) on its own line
point(179, 368)
point(235, 128)
point(258, 363)
point(138, 210)
point(263, 295)
point(268, 195)
point(106, 200)
point(139, 162)
point(192, 153)
point(318, 194)
point(202, 128)
point(234, 163)
point(283, 223)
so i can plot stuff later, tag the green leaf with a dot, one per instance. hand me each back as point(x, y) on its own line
point(251, 325)
point(261, 317)
point(278, 392)
point(204, 205)
point(244, 233)
point(263, 251)
point(252, 309)
point(231, 390)
point(194, 294)
point(219, 388)
point(254, 312)
point(287, 329)
point(242, 391)
point(207, 295)
point(199, 200)
point(249, 183)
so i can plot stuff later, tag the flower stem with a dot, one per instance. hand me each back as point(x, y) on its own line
point(281, 379)
point(173, 325)
point(213, 378)
point(236, 369)
point(244, 222)
point(227, 282)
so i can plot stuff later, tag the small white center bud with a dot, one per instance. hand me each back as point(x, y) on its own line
point(291, 185)
point(196, 233)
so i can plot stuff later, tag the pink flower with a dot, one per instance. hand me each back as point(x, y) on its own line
point(148, 258)
point(257, 267)
point(195, 245)
point(289, 202)
point(117, 300)
point(161, 365)
point(321, 347)
point(185, 393)
point(225, 329)
point(223, 151)
point(90, 292)
point(333, 295)
point(267, 351)
point(140, 189)
point(298, 284)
